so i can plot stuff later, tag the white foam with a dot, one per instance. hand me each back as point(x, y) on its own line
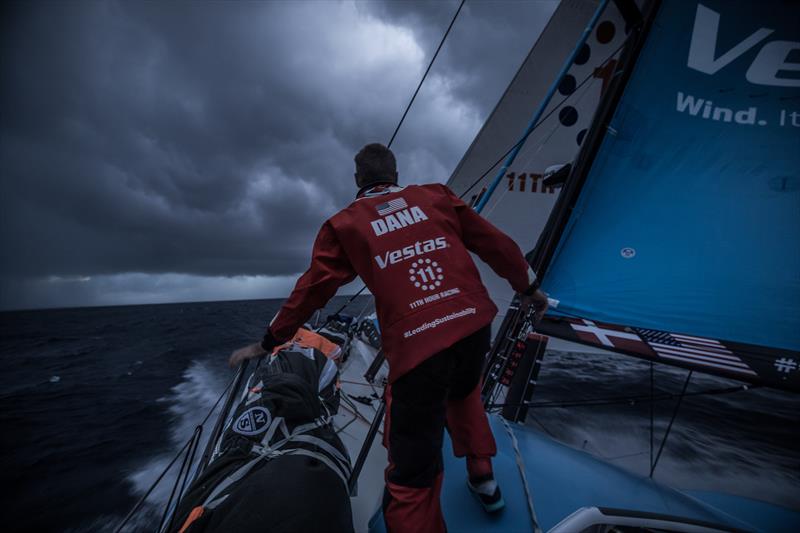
point(189, 402)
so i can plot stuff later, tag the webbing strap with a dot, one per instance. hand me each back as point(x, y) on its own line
point(231, 479)
point(323, 459)
point(280, 423)
point(521, 468)
point(277, 422)
point(265, 451)
point(215, 503)
point(325, 446)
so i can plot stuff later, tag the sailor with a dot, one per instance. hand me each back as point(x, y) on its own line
point(410, 245)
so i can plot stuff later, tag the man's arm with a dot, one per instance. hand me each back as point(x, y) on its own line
point(501, 253)
point(494, 247)
point(330, 269)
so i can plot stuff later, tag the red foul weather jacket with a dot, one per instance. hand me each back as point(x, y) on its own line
point(410, 245)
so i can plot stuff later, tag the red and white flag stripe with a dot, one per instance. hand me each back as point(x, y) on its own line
point(391, 206)
point(696, 350)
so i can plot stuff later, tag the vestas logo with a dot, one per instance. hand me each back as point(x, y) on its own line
point(400, 219)
point(770, 61)
point(412, 250)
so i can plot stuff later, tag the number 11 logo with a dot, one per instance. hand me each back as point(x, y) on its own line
point(425, 274)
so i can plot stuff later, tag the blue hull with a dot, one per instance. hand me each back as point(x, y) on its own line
point(562, 480)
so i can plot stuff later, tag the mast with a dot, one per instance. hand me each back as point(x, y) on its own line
point(540, 110)
point(540, 256)
point(515, 326)
point(522, 200)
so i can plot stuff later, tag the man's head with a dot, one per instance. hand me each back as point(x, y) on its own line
point(375, 164)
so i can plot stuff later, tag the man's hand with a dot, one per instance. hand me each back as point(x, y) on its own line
point(539, 302)
point(248, 352)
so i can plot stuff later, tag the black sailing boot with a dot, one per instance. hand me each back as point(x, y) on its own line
point(488, 493)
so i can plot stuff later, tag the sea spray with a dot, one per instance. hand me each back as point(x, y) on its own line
point(188, 404)
point(734, 443)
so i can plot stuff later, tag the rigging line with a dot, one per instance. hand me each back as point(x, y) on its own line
point(532, 157)
point(541, 425)
point(425, 75)
point(521, 141)
point(540, 109)
point(634, 454)
point(342, 308)
point(346, 399)
point(199, 431)
point(671, 421)
point(525, 164)
point(408, 107)
point(213, 407)
point(352, 382)
point(521, 467)
point(545, 117)
point(496, 203)
point(557, 125)
point(360, 418)
point(617, 400)
point(233, 389)
point(500, 160)
point(374, 428)
point(153, 486)
point(174, 459)
point(186, 465)
point(363, 310)
point(342, 428)
point(652, 407)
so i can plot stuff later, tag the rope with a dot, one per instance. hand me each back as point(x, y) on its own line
point(614, 400)
point(185, 465)
point(408, 107)
point(671, 421)
point(652, 410)
point(545, 117)
point(190, 444)
point(521, 467)
point(446, 33)
point(500, 160)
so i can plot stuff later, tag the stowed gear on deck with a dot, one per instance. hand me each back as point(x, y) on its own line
point(278, 453)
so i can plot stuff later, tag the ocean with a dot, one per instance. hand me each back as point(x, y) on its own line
point(94, 402)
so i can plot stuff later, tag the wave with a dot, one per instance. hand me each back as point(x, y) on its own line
point(742, 443)
point(188, 404)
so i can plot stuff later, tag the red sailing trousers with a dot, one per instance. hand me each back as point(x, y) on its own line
point(444, 390)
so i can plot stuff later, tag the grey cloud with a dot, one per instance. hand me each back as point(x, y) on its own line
point(486, 45)
point(213, 139)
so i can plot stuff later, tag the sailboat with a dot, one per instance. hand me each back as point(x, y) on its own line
point(673, 239)
point(657, 189)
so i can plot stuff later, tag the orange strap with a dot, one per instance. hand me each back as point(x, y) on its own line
point(196, 513)
point(309, 339)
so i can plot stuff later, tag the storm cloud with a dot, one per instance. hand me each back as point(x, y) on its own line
point(154, 152)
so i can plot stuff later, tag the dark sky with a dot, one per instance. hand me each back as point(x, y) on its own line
point(170, 151)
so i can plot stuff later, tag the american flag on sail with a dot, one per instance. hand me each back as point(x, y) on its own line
point(391, 206)
point(696, 350)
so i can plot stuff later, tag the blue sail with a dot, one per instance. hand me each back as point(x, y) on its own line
point(689, 218)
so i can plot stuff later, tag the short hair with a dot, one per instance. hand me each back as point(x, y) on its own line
point(375, 163)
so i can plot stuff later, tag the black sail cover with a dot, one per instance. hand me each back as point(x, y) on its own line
point(279, 465)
